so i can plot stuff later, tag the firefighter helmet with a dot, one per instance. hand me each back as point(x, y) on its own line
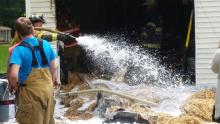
point(37, 18)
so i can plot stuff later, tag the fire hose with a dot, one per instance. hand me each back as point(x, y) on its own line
point(145, 102)
point(53, 31)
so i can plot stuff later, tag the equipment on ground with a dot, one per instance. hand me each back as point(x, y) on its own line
point(4, 101)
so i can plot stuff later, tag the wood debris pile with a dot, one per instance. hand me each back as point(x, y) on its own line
point(197, 109)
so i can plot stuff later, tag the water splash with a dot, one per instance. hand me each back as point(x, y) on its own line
point(116, 58)
point(113, 56)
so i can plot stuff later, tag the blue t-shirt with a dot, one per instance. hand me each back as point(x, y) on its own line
point(22, 56)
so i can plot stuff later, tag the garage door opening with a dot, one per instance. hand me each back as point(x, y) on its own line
point(154, 24)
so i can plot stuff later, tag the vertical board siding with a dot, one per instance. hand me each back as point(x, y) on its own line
point(44, 7)
point(207, 34)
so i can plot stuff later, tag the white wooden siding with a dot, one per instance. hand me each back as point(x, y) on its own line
point(207, 34)
point(44, 7)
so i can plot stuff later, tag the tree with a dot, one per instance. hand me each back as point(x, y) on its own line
point(10, 10)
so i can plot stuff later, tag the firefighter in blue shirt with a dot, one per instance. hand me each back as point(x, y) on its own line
point(33, 73)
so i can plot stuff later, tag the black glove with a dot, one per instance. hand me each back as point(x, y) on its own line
point(65, 38)
point(75, 34)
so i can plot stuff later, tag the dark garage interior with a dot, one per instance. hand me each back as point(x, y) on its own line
point(165, 21)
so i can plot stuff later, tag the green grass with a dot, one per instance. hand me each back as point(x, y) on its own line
point(3, 57)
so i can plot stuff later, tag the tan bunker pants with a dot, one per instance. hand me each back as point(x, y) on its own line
point(35, 100)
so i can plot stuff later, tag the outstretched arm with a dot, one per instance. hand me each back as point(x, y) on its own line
point(13, 77)
point(53, 70)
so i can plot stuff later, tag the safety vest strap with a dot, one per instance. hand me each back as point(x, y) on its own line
point(43, 56)
point(54, 36)
point(40, 34)
point(35, 48)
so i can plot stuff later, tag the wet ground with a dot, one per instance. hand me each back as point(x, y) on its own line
point(170, 104)
point(59, 116)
